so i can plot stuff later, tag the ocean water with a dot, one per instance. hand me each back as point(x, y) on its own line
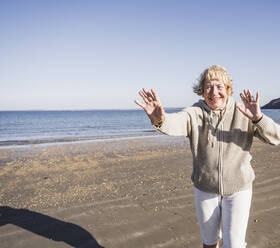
point(33, 127)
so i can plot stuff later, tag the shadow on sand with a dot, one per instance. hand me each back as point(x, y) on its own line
point(48, 227)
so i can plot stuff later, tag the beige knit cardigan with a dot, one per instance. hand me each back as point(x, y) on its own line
point(220, 144)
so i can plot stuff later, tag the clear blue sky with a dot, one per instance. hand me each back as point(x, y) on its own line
point(69, 54)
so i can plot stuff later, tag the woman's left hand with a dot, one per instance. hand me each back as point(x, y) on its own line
point(251, 107)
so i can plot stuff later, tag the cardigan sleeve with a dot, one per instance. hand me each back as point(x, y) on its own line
point(176, 124)
point(268, 131)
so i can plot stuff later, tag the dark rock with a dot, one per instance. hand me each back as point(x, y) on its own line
point(274, 104)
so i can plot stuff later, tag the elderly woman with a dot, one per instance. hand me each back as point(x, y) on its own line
point(221, 134)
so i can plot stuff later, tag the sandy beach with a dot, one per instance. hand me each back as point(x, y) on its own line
point(120, 193)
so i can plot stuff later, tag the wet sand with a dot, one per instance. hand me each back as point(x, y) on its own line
point(128, 193)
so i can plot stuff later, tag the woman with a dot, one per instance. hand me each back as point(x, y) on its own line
point(221, 134)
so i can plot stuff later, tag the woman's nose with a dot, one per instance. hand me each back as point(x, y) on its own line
point(214, 90)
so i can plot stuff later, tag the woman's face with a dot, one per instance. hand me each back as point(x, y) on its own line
point(215, 95)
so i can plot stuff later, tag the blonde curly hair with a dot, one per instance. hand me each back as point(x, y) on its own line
point(214, 72)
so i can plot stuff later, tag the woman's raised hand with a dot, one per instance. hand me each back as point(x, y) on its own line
point(152, 106)
point(251, 107)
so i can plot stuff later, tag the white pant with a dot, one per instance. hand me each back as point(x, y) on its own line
point(229, 213)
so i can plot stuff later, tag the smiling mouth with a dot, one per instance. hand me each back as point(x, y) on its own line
point(215, 99)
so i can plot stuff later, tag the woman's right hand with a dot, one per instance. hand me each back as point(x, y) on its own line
point(152, 106)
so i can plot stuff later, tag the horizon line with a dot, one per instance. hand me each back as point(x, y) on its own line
point(11, 110)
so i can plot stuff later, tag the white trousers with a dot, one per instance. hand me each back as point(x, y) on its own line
point(223, 216)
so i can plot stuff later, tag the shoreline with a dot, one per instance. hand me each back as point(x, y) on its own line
point(6, 144)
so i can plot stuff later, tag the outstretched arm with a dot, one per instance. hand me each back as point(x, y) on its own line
point(152, 106)
point(251, 106)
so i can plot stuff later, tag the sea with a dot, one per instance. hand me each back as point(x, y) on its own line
point(22, 128)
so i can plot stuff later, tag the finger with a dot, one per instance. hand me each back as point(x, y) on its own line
point(146, 92)
point(239, 107)
point(149, 95)
point(144, 97)
point(246, 95)
point(257, 97)
point(251, 97)
point(241, 110)
point(139, 104)
point(243, 98)
point(155, 95)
